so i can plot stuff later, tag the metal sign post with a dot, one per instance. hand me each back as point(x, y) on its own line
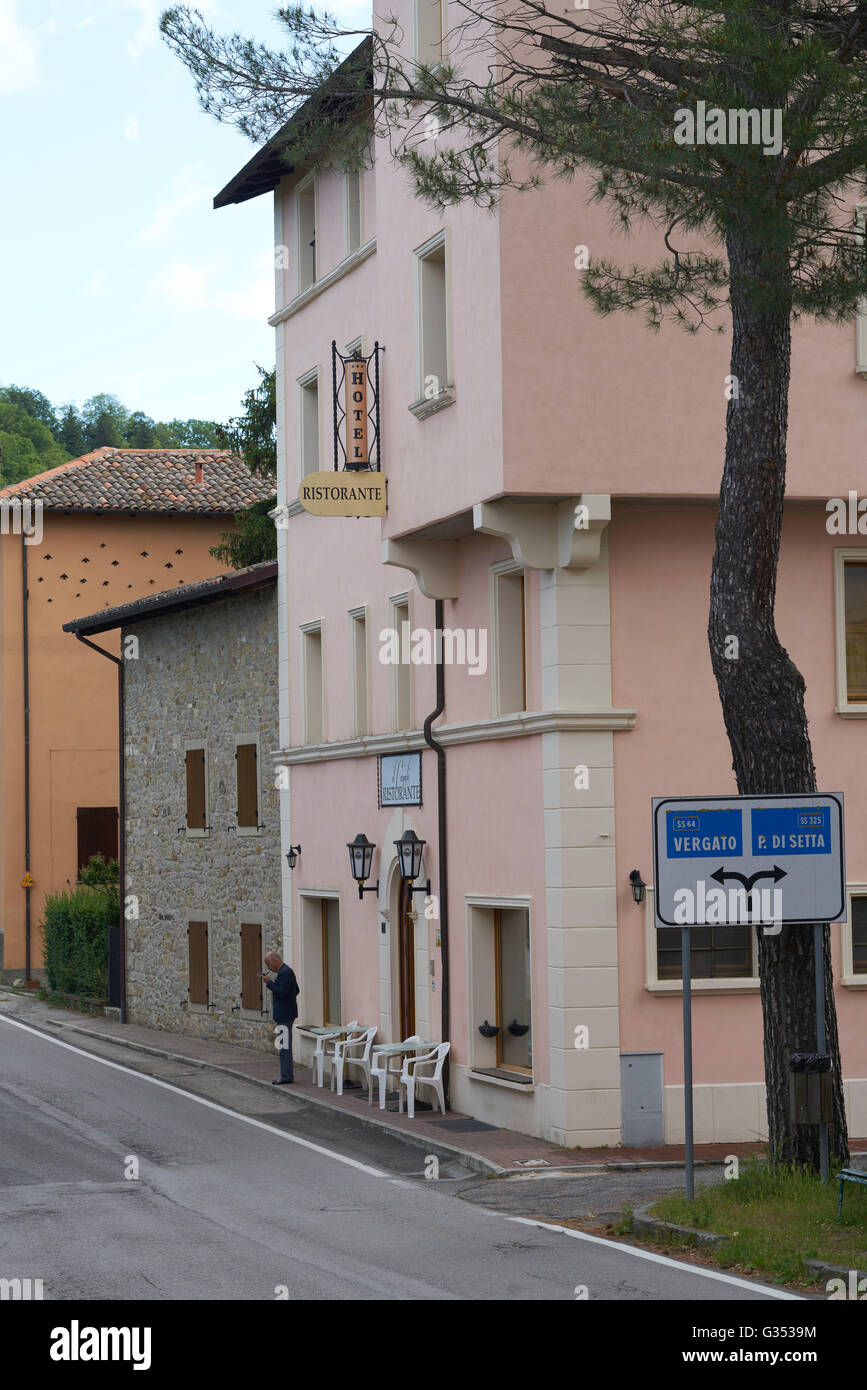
point(686, 957)
point(763, 861)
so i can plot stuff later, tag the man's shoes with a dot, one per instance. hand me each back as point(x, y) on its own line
point(281, 1082)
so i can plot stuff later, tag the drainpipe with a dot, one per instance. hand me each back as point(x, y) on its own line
point(441, 834)
point(26, 645)
point(121, 815)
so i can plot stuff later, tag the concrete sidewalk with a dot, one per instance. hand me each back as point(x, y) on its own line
point(480, 1146)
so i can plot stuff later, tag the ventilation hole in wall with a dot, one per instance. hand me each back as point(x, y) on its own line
point(64, 576)
point(143, 553)
point(105, 583)
point(114, 563)
point(39, 580)
point(179, 552)
point(48, 557)
point(168, 565)
point(85, 560)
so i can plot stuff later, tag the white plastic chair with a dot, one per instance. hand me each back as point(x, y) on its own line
point(319, 1053)
point(381, 1072)
point(410, 1079)
point(347, 1054)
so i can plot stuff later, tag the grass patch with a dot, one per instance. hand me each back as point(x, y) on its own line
point(774, 1220)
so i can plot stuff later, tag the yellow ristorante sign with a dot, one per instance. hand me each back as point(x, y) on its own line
point(343, 494)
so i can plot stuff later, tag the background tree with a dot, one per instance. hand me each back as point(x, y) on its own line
point(253, 436)
point(766, 233)
point(71, 433)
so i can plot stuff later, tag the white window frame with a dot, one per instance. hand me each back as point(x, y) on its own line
point(394, 601)
point(842, 554)
point(421, 406)
point(253, 919)
point(721, 984)
point(357, 615)
point(489, 904)
point(848, 977)
point(861, 309)
point(256, 829)
point(349, 175)
point(318, 625)
point(416, 26)
point(501, 567)
point(192, 833)
point(313, 970)
point(303, 383)
point(302, 186)
point(191, 916)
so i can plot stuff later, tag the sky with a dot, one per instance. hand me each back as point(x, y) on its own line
point(116, 272)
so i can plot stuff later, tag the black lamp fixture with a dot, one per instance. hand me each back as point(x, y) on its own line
point(360, 860)
point(638, 885)
point(292, 855)
point(409, 851)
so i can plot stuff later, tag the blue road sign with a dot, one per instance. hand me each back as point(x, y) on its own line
point(760, 859)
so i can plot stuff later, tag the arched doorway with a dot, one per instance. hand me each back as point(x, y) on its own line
point(405, 962)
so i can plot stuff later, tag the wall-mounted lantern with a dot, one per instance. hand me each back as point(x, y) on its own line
point(409, 851)
point(292, 855)
point(360, 860)
point(638, 885)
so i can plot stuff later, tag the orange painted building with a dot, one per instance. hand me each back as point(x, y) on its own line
point(99, 531)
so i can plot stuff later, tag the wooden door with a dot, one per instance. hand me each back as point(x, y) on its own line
point(406, 962)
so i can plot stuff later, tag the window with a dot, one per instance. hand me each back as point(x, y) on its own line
point(321, 973)
point(501, 1012)
point(199, 991)
point(508, 602)
point(433, 343)
point(352, 184)
point(358, 668)
point(97, 833)
point(853, 938)
point(716, 952)
point(305, 195)
point(859, 935)
point(308, 423)
point(429, 26)
point(314, 716)
point(851, 605)
point(401, 684)
point(247, 786)
point(197, 790)
point(251, 968)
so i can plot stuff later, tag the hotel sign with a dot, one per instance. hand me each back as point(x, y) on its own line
point(343, 494)
point(355, 396)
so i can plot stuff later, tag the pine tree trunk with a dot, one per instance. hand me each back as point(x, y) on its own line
point(761, 689)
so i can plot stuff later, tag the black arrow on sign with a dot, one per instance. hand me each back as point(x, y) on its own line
point(776, 873)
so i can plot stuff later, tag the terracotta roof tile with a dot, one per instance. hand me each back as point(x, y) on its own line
point(147, 480)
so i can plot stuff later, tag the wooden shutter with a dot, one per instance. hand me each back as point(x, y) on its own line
point(251, 966)
point(248, 784)
point(195, 789)
point(97, 832)
point(198, 941)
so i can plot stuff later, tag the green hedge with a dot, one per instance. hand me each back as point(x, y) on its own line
point(75, 940)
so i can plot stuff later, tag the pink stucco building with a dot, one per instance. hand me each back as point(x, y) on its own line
point(506, 404)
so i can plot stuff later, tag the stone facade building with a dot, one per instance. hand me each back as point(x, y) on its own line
point(202, 868)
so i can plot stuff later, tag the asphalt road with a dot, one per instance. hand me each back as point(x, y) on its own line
point(243, 1194)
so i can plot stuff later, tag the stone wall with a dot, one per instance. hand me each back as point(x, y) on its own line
point(206, 676)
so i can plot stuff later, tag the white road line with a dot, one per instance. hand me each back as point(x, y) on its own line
point(658, 1259)
point(200, 1100)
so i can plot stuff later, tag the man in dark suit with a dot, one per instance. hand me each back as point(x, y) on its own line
point(284, 992)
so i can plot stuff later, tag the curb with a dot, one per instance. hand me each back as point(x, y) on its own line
point(820, 1268)
point(643, 1222)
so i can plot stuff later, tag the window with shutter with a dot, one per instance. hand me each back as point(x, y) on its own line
point(196, 799)
point(251, 966)
point(248, 786)
point(97, 833)
point(199, 990)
